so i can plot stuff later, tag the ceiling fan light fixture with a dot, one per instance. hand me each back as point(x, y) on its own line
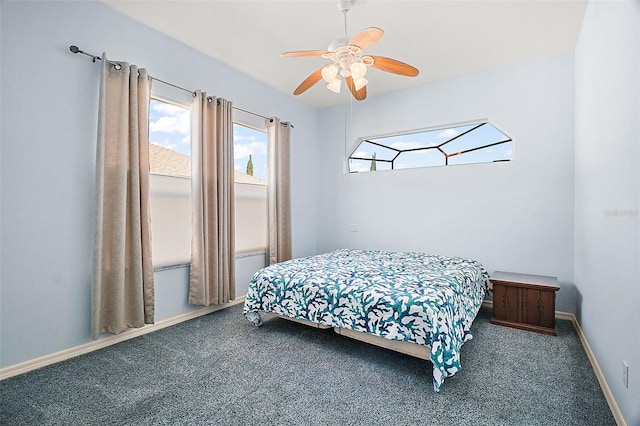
point(359, 83)
point(358, 70)
point(329, 73)
point(334, 86)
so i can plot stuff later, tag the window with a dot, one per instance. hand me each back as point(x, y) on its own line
point(169, 138)
point(478, 142)
point(250, 152)
point(169, 182)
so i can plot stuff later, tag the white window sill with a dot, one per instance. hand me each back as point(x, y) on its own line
point(239, 255)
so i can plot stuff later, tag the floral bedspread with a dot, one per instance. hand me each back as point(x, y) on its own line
point(427, 299)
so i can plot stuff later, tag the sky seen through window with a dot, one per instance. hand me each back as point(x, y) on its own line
point(170, 128)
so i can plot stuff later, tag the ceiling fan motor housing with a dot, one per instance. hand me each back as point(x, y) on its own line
point(338, 44)
point(343, 55)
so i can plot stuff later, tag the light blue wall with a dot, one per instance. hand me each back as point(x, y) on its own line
point(515, 216)
point(172, 285)
point(48, 131)
point(607, 200)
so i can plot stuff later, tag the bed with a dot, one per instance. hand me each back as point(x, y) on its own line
point(418, 303)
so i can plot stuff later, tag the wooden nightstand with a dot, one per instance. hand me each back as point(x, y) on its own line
point(525, 301)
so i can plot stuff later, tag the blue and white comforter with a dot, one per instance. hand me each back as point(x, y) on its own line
point(430, 300)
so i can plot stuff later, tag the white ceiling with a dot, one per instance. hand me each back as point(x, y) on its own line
point(441, 38)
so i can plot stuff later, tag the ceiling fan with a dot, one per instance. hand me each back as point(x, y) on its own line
point(349, 62)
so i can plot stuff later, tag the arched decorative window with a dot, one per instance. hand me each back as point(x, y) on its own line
point(477, 142)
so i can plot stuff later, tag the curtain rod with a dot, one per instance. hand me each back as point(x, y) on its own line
point(75, 49)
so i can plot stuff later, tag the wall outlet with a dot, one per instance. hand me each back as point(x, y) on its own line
point(353, 227)
point(625, 374)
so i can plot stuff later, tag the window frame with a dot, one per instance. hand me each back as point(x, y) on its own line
point(251, 122)
point(475, 124)
point(177, 183)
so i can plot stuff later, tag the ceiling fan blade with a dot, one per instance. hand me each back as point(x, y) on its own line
point(304, 53)
point(315, 77)
point(366, 37)
point(393, 66)
point(359, 95)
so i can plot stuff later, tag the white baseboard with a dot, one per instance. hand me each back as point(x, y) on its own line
point(606, 390)
point(94, 345)
point(613, 405)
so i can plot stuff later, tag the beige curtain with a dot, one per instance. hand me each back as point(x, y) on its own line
point(122, 288)
point(279, 192)
point(212, 276)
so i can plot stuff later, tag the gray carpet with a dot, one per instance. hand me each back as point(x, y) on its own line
point(220, 369)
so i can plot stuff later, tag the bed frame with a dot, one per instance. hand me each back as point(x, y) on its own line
point(407, 348)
